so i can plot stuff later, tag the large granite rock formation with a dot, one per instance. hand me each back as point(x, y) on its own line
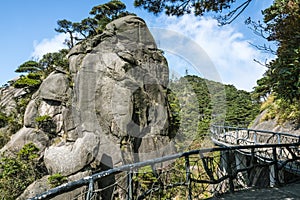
point(110, 109)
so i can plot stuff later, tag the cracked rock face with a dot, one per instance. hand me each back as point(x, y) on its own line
point(119, 93)
point(110, 110)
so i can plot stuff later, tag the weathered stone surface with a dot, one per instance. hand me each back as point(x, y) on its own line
point(274, 125)
point(35, 188)
point(38, 107)
point(7, 98)
point(72, 157)
point(69, 124)
point(25, 136)
point(155, 147)
point(49, 107)
point(132, 30)
point(43, 185)
point(58, 120)
point(54, 87)
point(109, 152)
point(120, 88)
point(31, 113)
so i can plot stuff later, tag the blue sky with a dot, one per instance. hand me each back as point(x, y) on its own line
point(27, 31)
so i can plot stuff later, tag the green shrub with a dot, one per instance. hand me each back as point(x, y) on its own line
point(287, 111)
point(18, 172)
point(56, 180)
point(4, 138)
point(30, 81)
point(29, 152)
point(282, 110)
point(46, 123)
point(15, 123)
point(3, 120)
point(43, 118)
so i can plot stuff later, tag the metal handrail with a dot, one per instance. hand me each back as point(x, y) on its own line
point(256, 130)
point(273, 159)
point(89, 180)
point(224, 132)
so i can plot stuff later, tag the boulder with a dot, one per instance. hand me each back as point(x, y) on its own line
point(30, 114)
point(42, 185)
point(120, 89)
point(54, 87)
point(72, 157)
point(25, 136)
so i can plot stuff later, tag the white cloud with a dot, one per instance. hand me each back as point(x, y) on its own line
point(231, 54)
point(48, 45)
point(227, 48)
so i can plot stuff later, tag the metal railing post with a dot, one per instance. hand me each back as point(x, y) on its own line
point(237, 136)
point(254, 137)
point(130, 185)
point(229, 171)
point(188, 177)
point(90, 189)
point(275, 173)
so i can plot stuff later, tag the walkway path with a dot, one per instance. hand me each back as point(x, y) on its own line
point(228, 136)
point(287, 192)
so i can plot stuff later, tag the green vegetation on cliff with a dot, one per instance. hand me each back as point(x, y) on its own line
point(33, 74)
point(196, 103)
point(282, 77)
point(280, 110)
point(56, 180)
point(101, 15)
point(19, 172)
point(37, 71)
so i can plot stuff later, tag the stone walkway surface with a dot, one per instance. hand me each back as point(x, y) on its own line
point(287, 192)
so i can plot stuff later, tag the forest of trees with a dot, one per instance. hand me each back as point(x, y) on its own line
point(197, 102)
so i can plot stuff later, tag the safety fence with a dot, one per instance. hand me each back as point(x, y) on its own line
point(197, 174)
point(227, 135)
